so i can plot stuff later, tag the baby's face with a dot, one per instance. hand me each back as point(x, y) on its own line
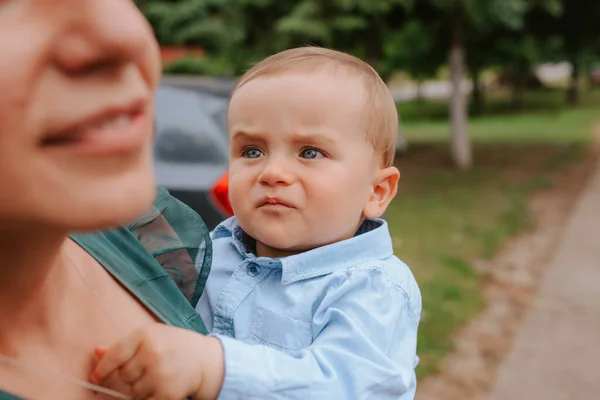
point(302, 171)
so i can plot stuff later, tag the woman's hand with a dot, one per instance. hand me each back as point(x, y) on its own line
point(162, 362)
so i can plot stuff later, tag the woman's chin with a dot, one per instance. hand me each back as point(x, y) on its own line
point(102, 211)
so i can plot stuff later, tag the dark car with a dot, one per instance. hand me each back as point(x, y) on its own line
point(192, 143)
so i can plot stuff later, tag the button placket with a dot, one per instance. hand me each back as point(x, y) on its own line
point(243, 281)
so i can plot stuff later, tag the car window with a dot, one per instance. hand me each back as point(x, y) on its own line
point(191, 126)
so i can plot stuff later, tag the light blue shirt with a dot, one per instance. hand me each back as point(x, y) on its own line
point(336, 322)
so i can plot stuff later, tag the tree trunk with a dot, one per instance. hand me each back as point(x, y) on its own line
point(587, 74)
point(478, 92)
point(461, 146)
point(519, 83)
point(573, 90)
point(374, 41)
point(419, 90)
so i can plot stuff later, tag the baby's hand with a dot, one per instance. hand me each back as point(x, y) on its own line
point(164, 362)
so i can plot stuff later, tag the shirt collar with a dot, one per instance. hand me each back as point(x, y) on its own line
point(371, 242)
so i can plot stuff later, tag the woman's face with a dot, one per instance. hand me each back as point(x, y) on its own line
point(77, 79)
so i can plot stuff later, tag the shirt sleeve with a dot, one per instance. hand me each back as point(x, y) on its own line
point(365, 332)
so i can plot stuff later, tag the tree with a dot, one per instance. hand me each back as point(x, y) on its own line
point(414, 35)
point(519, 53)
point(232, 31)
point(578, 26)
point(412, 46)
point(355, 26)
point(565, 29)
point(478, 45)
point(245, 31)
point(460, 17)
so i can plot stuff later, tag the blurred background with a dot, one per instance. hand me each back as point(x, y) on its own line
point(498, 102)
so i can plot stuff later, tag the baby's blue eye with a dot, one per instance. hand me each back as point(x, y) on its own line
point(311, 154)
point(252, 153)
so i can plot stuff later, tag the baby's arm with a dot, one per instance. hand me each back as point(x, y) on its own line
point(365, 348)
point(164, 362)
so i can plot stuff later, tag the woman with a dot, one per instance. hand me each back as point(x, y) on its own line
point(77, 79)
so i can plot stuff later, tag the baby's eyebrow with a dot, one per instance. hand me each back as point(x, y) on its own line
point(322, 137)
point(239, 134)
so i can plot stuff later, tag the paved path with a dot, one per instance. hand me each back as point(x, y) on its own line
point(556, 354)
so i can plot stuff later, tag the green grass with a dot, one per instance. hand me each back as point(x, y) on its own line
point(555, 123)
point(443, 220)
point(564, 126)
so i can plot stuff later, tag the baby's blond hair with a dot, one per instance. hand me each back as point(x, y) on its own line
point(380, 109)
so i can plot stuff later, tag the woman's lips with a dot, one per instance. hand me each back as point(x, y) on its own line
point(110, 132)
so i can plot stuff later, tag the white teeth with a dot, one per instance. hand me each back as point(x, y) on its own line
point(116, 122)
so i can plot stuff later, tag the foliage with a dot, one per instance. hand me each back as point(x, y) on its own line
point(245, 31)
point(211, 66)
point(410, 35)
point(414, 49)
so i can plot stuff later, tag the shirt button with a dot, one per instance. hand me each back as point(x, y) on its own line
point(253, 269)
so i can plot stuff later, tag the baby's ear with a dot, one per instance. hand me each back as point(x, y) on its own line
point(385, 186)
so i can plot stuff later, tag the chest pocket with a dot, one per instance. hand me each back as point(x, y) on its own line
point(280, 332)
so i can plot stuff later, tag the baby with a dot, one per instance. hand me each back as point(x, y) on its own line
point(305, 299)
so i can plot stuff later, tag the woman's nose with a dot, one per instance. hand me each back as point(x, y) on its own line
point(105, 35)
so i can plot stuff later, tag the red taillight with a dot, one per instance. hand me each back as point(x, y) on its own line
point(220, 195)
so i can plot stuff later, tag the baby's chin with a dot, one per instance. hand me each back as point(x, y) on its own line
point(286, 246)
point(280, 240)
point(277, 245)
